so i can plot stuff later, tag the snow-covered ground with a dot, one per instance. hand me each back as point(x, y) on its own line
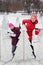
point(23, 53)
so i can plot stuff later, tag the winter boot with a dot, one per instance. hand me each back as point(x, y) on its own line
point(13, 54)
point(33, 54)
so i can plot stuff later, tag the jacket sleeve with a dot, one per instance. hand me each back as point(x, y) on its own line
point(24, 21)
point(18, 32)
point(12, 36)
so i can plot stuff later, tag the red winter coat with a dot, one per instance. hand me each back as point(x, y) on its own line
point(30, 27)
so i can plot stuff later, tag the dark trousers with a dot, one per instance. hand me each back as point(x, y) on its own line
point(13, 48)
point(31, 45)
point(32, 48)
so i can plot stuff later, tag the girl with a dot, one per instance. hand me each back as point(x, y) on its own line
point(30, 26)
point(14, 36)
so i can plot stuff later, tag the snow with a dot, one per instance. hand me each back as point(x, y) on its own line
point(23, 53)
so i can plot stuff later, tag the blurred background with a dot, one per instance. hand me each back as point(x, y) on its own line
point(14, 11)
point(21, 5)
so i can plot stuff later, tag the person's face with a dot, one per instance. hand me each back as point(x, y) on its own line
point(33, 19)
point(12, 27)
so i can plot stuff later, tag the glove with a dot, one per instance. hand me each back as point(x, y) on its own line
point(11, 34)
point(37, 31)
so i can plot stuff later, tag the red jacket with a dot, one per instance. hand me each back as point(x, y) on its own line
point(30, 27)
